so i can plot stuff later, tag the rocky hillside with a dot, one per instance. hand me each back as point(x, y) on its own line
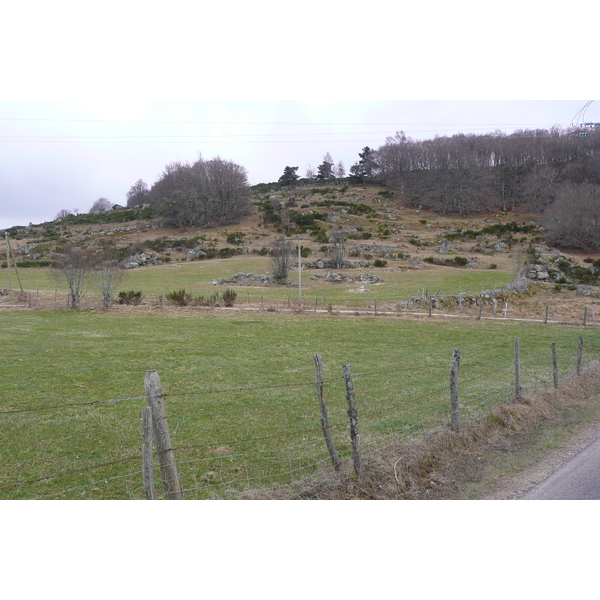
point(376, 224)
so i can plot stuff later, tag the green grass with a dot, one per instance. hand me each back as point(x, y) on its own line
point(242, 406)
point(194, 277)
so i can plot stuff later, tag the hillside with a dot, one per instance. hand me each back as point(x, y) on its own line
point(377, 225)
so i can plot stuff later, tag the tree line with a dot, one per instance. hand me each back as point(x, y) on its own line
point(555, 172)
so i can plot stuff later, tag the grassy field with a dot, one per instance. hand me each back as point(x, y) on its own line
point(242, 406)
point(396, 282)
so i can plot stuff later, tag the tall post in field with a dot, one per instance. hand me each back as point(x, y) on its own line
point(353, 414)
point(454, 389)
point(554, 366)
point(579, 355)
point(299, 273)
point(518, 389)
point(324, 420)
point(162, 437)
point(147, 466)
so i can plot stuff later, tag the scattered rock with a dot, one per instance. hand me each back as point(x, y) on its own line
point(445, 247)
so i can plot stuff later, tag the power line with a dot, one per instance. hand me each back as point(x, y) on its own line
point(304, 123)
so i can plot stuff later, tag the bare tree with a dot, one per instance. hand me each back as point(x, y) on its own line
point(338, 251)
point(63, 214)
point(281, 259)
point(74, 268)
point(191, 195)
point(100, 206)
point(340, 171)
point(137, 194)
point(109, 274)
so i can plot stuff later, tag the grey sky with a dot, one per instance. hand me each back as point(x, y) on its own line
point(58, 154)
point(91, 100)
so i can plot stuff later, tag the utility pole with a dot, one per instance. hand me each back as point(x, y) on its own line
point(299, 273)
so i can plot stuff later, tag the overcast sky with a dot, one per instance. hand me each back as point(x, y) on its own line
point(93, 100)
point(65, 155)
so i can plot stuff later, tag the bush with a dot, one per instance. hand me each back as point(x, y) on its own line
point(130, 297)
point(229, 297)
point(379, 263)
point(461, 261)
point(179, 297)
point(236, 238)
point(493, 266)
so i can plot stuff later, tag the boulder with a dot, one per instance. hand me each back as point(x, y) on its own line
point(333, 277)
point(445, 247)
point(368, 278)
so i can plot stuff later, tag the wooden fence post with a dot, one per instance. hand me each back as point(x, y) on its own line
point(518, 389)
point(454, 390)
point(147, 466)
point(585, 316)
point(546, 318)
point(480, 311)
point(579, 354)
point(324, 420)
point(353, 414)
point(430, 305)
point(554, 366)
point(162, 437)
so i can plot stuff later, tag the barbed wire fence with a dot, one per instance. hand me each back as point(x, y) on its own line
point(250, 442)
point(423, 304)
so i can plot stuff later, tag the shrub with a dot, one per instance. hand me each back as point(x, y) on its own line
point(461, 261)
point(379, 263)
point(130, 297)
point(229, 297)
point(304, 252)
point(493, 266)
point(236, 238)
point(179, 297)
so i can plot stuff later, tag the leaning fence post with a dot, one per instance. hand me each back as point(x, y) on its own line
point(554, 366)
point(162, 437)
point(147, 466)
point(324, 420)
point(579, 354)
point(353, 414)
point(454, 389)
point(518, 388)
